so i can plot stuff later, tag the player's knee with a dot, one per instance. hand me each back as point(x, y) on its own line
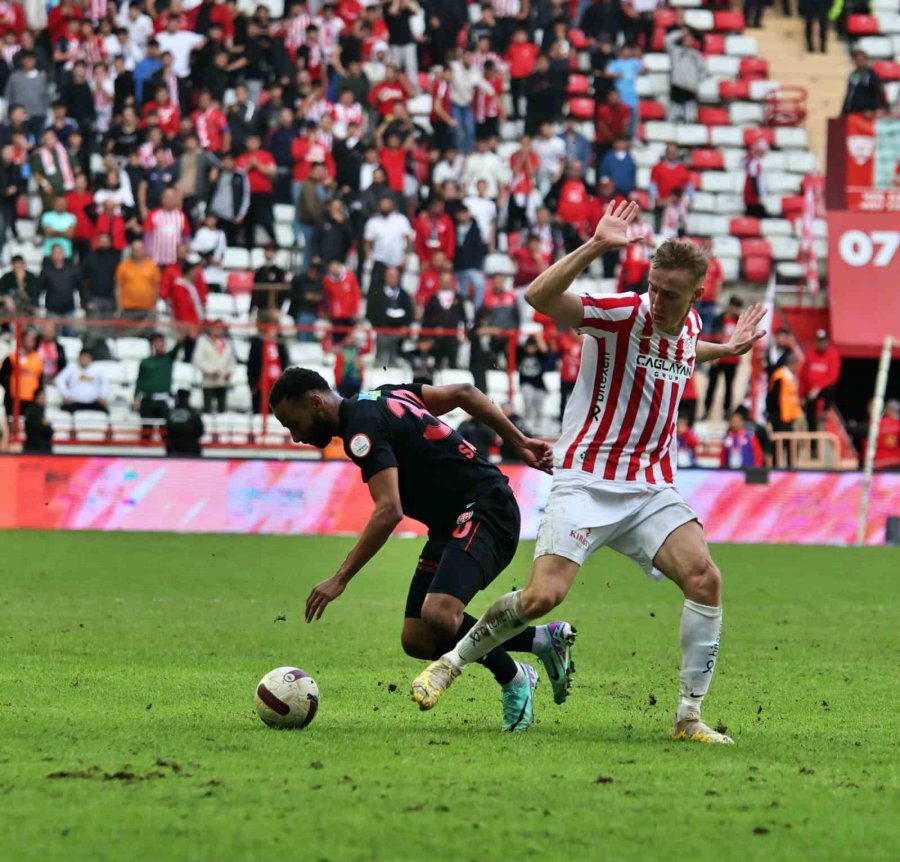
point(702, 582)
point(537, 601)
point(443, 618)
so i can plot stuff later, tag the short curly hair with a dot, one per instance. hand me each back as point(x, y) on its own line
point(682, 255)
point(294, 383)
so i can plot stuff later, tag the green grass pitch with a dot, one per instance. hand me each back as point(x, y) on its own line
point(127, 731)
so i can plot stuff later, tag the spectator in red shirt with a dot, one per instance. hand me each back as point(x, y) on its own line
point(309, 150)
point(342, 298)
point(211, 125)
point(520, 57)
point(573, 208)
point(187, 297)
point(261, 169)
point(80, 203)
point(430, 280)
point(111, 221)
point(168, 117)
point(392, 158)
point(712, 286)
point(818, 379)
point(529, 260)
point(393, 90)
point(434, 232)
point(612, 121)
point(887, 446)
point(568, 347)
point(669, 174)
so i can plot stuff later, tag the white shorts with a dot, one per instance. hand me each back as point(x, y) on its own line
point(584, 515)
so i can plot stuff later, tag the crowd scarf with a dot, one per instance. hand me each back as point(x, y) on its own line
point(65, 168)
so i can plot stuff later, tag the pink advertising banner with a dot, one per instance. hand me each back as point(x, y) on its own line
point(311, 497)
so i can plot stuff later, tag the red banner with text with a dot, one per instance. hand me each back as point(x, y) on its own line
point(867, 190)
point(863, 262)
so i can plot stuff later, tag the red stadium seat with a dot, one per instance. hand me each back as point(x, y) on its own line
point(22, 207)
point(713, 44)
point(665, 18)
point(757, 268)
point(658, 42)
point(887, 70)
point(240, 282)
point(755, 248)
point(792, 205)
point(703, 159)
point(578, 40)
point(754, 68)
point(728, 22)
point(649, 109)
point(744, 226)
point(734, 89)
point(862, 25)
point(582, 108)
point(694, 179)
point(751, 136)
point(578, 85)
point(714, 116)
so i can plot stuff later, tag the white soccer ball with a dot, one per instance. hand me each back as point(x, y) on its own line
point(287, 697)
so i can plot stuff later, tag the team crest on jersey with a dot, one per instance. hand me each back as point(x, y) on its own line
point(368, 396)
point(360, 445)
point(465, 516)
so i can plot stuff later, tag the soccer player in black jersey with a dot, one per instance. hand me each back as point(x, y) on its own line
point(417, 465)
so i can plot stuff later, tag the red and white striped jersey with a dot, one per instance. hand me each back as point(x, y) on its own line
point(620, 421)
point(165, 229)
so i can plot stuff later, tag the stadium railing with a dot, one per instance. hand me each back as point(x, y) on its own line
point(127, 343)
point(806, 450)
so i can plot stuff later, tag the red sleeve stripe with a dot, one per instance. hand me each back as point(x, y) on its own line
point(609, 302)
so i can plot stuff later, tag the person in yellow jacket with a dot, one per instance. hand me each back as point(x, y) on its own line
point(783, 401)
point(22, 372)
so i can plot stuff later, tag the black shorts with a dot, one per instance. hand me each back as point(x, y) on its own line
point(465, 560)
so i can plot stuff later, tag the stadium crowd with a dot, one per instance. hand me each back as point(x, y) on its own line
point(162, 136)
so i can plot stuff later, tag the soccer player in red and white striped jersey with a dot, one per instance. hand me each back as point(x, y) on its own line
point(165, 228)
point(615, 460)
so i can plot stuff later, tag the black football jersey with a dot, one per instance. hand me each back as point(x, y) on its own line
point(439, 472)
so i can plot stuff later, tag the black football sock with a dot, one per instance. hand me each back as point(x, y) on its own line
point(497, 661)
point(522, 642)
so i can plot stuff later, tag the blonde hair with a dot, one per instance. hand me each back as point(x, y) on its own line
point(684, 256)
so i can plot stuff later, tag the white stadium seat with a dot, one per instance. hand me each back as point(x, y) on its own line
point(775, 227)
point(691, 135)
point(782, 183)
point(734, 158)
point(800, 162)
point(236, 258)
point(699, 19)
point(643, 178)
point(741, 46)
point(745, 113)
point(726, 246)
point(658, 63)
point(720, 66)
point(877, 47)
point(730, 204)
point(708, 91)
point(132, 348)
point(760, 89)
point(706, 225)
point(731, 268)
point(721, 181)
point(791, 139)
point(784, 247)
point(420, 105)
point(220, 305)
point(660, 131)
point(284, 214)
point(652, 85)
point(726, 136)
point(704, 202)
point(775, 161)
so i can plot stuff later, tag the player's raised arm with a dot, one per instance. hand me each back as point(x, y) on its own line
point(388, 512)
point(442, 399)
point(547, 293)
point(745, 335)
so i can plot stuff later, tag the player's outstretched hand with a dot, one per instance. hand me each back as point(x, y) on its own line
point(321, 596)
point(537, 453)
point(745, 334)
point(612, 231)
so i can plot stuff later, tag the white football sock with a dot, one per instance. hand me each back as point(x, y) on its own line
point(500, 621)
point(701, 626)
point(518, 679)
point(541, 639)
